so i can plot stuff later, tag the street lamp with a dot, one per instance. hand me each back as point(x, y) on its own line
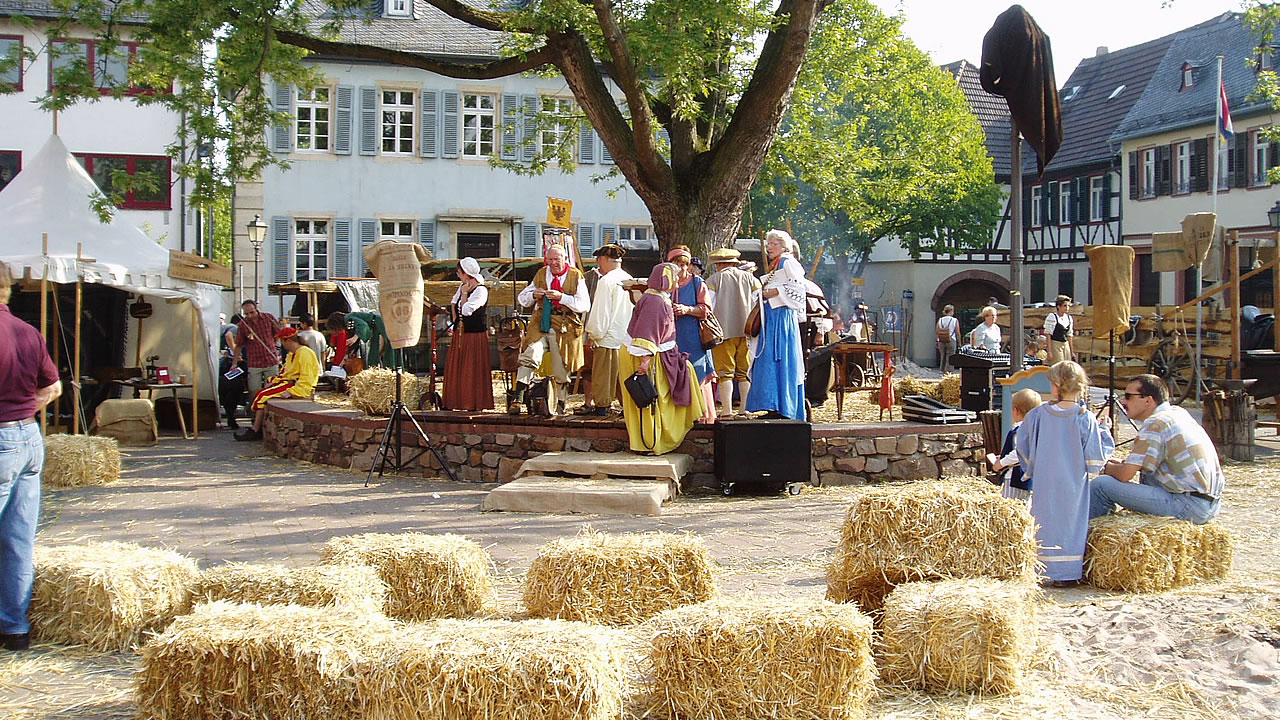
point(257, 233)
point(1273, 216)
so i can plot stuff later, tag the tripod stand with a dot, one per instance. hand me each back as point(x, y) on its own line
point(392, 435)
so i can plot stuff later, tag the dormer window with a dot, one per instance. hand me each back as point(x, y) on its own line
point(1070, 93)
point(1114, 93)
point(1188, 76)
point(399, 8)
point(1264, 58)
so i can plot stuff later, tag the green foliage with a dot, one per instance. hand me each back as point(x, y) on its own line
point(1262, 19)
point(880, 143)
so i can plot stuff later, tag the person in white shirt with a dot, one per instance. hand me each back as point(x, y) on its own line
point(1059, 326)
point(987, 335)
point(467, 384)
point(607, 328)
point(558, 296)
point(948, 331)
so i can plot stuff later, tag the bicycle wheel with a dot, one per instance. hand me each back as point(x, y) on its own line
point(1172, 362)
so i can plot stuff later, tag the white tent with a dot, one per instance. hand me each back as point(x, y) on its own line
point(51, 197)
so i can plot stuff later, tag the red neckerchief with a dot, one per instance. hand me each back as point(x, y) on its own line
point(557, 283)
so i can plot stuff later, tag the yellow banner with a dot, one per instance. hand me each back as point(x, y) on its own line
point(559, 212)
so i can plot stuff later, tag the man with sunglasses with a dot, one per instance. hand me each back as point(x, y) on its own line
point(1173, 462)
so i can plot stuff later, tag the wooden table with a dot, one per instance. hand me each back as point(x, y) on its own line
point(140, 386)
point(842, 353)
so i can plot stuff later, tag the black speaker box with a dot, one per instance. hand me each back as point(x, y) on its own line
point(770, 454)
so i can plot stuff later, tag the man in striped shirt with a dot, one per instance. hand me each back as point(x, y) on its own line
point(1173, 458)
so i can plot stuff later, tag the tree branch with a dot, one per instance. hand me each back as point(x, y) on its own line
point(483, 19)
point(641, 116)
point(476, 71)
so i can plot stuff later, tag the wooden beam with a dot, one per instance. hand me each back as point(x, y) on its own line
point(1227, 286)
point(75, 381)
point(1233, 250)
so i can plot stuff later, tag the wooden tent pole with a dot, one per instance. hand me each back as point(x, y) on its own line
point(44, 311)
point(75, 382)
point(195, 371)
point(1233, 257)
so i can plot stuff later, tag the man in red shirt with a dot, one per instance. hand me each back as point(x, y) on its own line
point(256, 338)
point(28, 382)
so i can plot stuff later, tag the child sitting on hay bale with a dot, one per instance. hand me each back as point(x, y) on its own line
point(1059, 446)
point(1015, 484)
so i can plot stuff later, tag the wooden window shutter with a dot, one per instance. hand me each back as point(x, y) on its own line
point(430, 123)
point(1051, 202)
point(1026, 207)
point(586, 239)
point(1239, 154)
point(529, 240)
point(586, 144)
point(1200, 165)
point(427, 239)
point(1081, 204)
point(344, 99)
point(608, 234)
point(529, 141)
point(1164, 179)
point(449, 124)
point(282, 135)
point(510, 126)
point(1273, 154)
point(280, 266)
point(1106, 197)
point(370, 130)
point(606, 157)
point(368, 236)
point(341, 248)
point(1133, 175)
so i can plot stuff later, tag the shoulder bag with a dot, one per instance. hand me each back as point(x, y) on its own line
point(710, 331)
point(641, 389)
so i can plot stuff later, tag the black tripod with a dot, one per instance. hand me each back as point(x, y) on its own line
point(399, 413)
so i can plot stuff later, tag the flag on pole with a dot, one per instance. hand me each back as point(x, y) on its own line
point(1225, 129)
point(559, 212)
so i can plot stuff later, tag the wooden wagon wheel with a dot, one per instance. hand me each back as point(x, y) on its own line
point(855, 376)
point(1173, 363)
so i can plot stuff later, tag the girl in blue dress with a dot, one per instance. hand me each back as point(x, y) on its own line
point(777, 365)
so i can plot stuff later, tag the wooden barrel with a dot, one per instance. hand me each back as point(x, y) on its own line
point(1230, 418)
point(992, 432)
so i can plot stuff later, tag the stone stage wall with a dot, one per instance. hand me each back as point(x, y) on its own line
point(485, 447)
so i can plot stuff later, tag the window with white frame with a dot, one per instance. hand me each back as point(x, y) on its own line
point(1036, 220)
point(1261, 149)
point(312, 115)
point(556, 111)
point(1220, 162)
point(478, 118)
point(398, 230)
point(311, 249)
point(1182, 168)
point(398, 8)
point(1064, 203)
point(636, 237)
point(398, 108)
point(1096, 200)
point(1149, 173)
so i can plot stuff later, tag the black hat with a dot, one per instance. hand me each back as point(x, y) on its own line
point(696, 261)
point(612, 250)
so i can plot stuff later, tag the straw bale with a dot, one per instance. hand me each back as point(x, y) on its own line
point(761, 658)
point(949, 387)
point(618, 579)
point(107, 595)
point(230, 660)
point(1134, 552)
point(373, 390)
point(75, 460)
point(498, 669)
point(973, 635)
point(353, 586)
point(928, 531)
point(428, 576)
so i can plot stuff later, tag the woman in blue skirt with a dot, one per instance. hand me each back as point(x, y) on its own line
point(777, 367)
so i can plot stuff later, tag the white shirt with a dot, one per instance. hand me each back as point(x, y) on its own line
point(578, 302)
point(478, 297)
point(788, 280)
point(1054, 319)
point(949, 322)
point(987, 337)
point(610, 311)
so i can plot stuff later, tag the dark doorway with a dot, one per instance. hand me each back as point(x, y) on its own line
point(478, 245)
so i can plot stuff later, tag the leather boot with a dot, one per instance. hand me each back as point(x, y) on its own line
point(515, 398)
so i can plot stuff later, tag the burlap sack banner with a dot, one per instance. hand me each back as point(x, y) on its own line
point(398, 267)
point(1187, 248)
point(1112, 267)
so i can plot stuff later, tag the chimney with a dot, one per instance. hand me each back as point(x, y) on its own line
point(1102, 50)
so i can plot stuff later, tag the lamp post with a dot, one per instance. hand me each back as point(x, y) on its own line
point(257, 233)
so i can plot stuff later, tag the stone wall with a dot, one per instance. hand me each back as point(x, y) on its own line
point(482, 447)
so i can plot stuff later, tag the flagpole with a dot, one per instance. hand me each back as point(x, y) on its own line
point(1218, 139)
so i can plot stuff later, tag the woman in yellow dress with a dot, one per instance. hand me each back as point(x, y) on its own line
point(661, 427)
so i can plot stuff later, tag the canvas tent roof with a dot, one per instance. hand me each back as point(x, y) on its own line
point(52, 195)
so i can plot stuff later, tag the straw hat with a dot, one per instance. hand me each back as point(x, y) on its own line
point(469, 266)
point(725, 255)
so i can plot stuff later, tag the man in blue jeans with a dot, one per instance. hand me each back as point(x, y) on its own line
point(1175, 462)
point(28, 382)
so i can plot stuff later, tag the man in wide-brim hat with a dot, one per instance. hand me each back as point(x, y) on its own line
point(736, 292)
point(606, 328)
point(301, 371)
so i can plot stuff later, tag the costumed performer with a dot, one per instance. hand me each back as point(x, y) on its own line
point(301, 371)
point(777, 366)
point(467, 381)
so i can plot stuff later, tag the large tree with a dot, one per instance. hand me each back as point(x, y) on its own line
point(880, 144)
point(716, 75)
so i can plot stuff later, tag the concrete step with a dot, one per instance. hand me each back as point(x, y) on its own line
point(598, 496)
point(670, 467)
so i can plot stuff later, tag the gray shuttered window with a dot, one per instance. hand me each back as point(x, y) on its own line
point(606, 157)
point(510, 126)
point(427, 238)
point(341, 248)
point(608, 234)
point(369, 127)
point(587, 239)
point(449, 124)
point(529, 139)
point(344, 100)
point(368, 236)
point(282, 102)
point(1106, 198)
point(430, 123)
point(280, 269)
point(529, 240)
point(586, 145)
point(1133, 175)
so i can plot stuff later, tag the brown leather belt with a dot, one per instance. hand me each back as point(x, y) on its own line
point(1202, 496)
point(17, 423)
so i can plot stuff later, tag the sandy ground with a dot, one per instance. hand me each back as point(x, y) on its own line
point(1209, 651)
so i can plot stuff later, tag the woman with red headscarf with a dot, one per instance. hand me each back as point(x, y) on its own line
point(661, 427)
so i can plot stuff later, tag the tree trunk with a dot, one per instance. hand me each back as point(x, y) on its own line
point(844, 285)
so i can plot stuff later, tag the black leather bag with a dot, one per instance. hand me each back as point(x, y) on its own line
point(641, 389)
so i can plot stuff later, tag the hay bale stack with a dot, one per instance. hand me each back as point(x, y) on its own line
point(107, 595)
point(75, 460)
point(428, 576)
point(618, 579)
point(1143, 553)
point(911, 385)
point(373, 390)
point(229, 660)
point(497, 669)
point(761, 658)
point(894, 534)
point(949, 389)
point(974, 635)
point(357, 587)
